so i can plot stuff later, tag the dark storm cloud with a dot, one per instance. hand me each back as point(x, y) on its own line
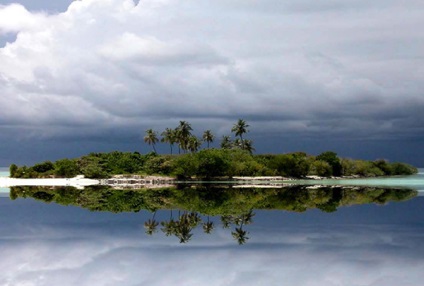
point(326, 69)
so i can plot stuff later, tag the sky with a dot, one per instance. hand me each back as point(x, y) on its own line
point(47, 244)
point(308, 75)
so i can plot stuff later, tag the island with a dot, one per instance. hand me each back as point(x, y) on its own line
point(234, 160)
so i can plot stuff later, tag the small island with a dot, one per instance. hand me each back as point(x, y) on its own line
point(234, 160)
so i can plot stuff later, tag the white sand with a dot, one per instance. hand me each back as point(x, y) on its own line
point(78, 182)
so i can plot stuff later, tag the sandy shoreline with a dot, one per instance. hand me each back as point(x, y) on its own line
point(78, 182)
point(139, 182)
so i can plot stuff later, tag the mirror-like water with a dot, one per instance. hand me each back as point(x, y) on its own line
point(234, 236)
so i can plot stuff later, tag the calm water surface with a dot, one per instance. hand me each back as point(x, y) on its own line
point(361, 244)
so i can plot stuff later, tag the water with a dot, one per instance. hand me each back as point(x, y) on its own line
point(415, 182)
point(4, 172)
point(48, 244)
point(296, 236)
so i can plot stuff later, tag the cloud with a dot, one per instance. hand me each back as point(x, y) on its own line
point(15, 18)
point(307, 68)
point(87, 254)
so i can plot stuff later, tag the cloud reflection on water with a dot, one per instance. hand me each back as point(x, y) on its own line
point(70, 246)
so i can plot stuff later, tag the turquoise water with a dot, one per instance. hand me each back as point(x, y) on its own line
point(414, 181)
point(4, 172)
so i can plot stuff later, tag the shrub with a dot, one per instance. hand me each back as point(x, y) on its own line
point(43, 167)
point(384, 166)
point(66, 168)
point(293, 165)
point(403, 169)
point(321, 168)
point(184, 166)
point(158, 165)
point(13, 170)
point(332, 159)
point(212, 163)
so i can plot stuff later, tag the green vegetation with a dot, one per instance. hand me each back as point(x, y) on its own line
point(211, 163)
point(195, 205)
point(212, 200)
point(234, 158)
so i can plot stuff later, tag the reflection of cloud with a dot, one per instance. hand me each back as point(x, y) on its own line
point(80, 254)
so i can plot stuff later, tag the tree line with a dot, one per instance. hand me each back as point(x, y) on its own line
point(187, 142)
point(234, 158)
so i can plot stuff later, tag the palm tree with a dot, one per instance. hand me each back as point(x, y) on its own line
point(151, 138)
point(193, 144)
point(240, 128)
point(238, 143)
point(178, 139)
point(226, 142)
point(248, 146)
point(169, 136)
point(208, 137)
point(183, 132)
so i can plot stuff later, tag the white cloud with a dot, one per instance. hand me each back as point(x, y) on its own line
point(15, 18)
point(117, 63)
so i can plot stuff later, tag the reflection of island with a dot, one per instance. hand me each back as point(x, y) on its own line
point(182, 226)
point(234, 205)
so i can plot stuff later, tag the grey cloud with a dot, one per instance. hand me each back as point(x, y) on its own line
point(347, 68)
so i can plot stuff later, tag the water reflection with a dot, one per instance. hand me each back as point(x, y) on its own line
point(193, 205)
point(371, 239)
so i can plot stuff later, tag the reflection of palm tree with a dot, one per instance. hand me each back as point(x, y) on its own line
point(208, 226)
point(248, 217)
point(184, 232)
point(151, 138)
point(240, 235)
point(226, 221)
point(151, 225)
point(194, 219)
point(185, 225)
point(168, 226)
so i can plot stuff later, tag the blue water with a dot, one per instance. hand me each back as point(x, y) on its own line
point(48, 244)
